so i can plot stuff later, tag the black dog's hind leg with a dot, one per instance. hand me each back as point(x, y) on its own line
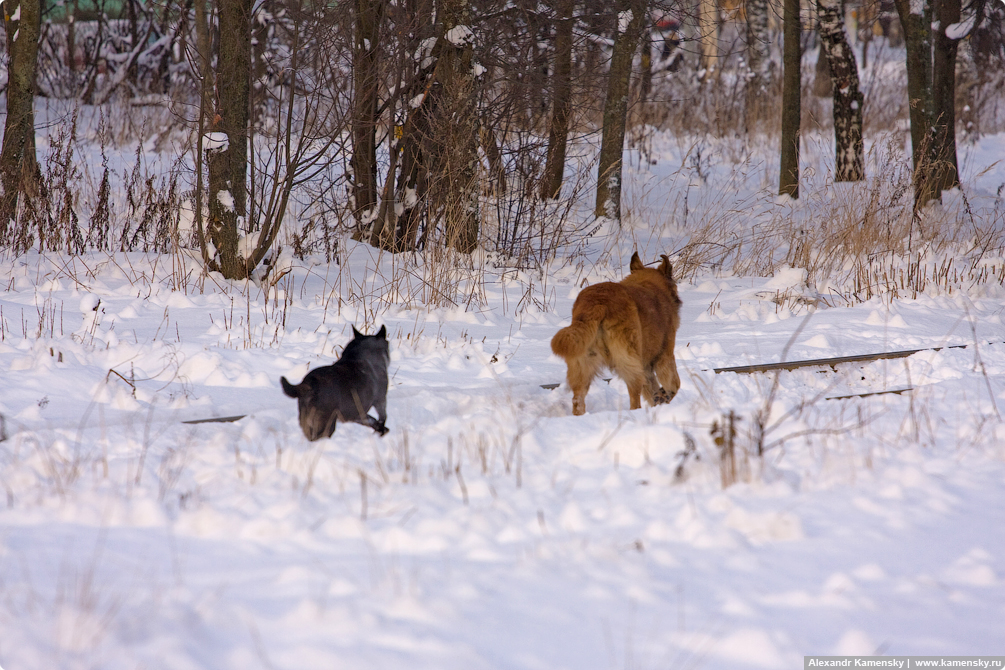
point(381, 407)
point(330, 426)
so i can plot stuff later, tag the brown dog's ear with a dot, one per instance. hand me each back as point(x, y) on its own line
point(636, 263)
point(665, 266)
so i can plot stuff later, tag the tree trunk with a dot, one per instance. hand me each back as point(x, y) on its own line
point(134, 35)
point(204, 53)
point(646, 63)
point(456, 130)
point(788, 179)
point(412, 182)
point(626, 39)
point(228, 167)
point(561, 102)
point(916, 20)
point(708, 28)
point(18, 164)
point(758, 43)
point(758, 61)
point(71, 36)
point(369, 16)
point(946, 170)
point(847, 97)
point(411, 188)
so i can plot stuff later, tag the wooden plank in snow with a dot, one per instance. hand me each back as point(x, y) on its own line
point(218, 419)
point(829, 362)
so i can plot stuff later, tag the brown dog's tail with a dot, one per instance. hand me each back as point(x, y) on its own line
point(574, 340)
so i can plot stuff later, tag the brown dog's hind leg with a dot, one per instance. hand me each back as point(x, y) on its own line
point(659, 394)
point(624, 361)
point(581, 372)
point(666, 371)
point(635, 379)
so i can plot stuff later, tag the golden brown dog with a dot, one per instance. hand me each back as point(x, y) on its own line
point(628, 327)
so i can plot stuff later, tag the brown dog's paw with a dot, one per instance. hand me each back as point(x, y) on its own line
point(661, 397)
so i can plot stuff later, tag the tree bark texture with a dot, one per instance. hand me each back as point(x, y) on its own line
point(365, 70)
point(18, 165)
point(758, 62)
point(788, 178)
point(946, 170)
point(410, 192)
point(228, 167)
point(630, 21)
point(758, 44)
point(916, 20)
point(846, 94)
point(412, 184)
point(204, 52)
point(646, 63)
point(708, 37)
point(456, 131)
point(561, 102)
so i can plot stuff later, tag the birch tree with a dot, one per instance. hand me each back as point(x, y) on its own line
point(846, 94)
point(758, 43)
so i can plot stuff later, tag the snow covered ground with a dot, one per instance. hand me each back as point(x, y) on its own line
point(490, 528)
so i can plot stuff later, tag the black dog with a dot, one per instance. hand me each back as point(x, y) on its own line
point(346, 390)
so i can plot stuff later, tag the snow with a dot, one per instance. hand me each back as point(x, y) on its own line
point(424, 52)
point(957, 31)
point(215, 141)
point(490, 528)
point(411, 197)
point(624, 19)
point(460, 36)
point(226, 199)
point(247, 244)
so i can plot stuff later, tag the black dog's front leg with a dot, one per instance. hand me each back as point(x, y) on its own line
point(377, 425)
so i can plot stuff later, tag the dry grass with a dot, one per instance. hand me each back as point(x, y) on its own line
point(855, 241)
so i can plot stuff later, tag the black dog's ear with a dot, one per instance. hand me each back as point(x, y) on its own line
point(355, 333)
point(289, 389)
point(636, 263)
point(665, 267)
point(382, 333)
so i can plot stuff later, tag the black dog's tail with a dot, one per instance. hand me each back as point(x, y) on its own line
point(289, 389)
